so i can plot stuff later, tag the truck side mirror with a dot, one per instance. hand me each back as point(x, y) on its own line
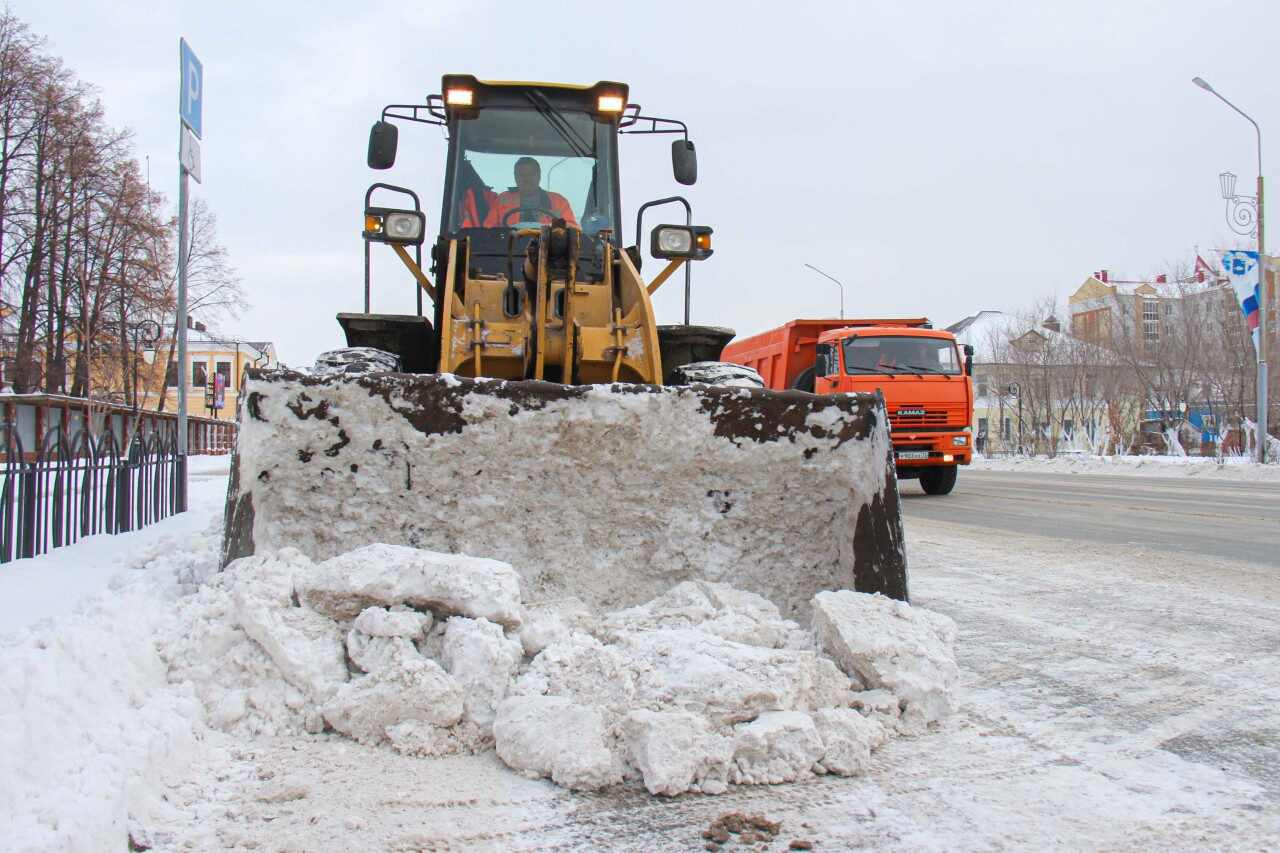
point(822, 364)
point(684, 162)
point(382, 145)
point(968, 359)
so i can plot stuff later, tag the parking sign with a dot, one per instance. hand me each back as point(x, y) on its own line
point(192, 89)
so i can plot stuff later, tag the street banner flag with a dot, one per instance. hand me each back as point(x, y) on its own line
point(1242, 272)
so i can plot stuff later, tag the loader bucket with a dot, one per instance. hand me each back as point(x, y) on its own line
point(611, 493)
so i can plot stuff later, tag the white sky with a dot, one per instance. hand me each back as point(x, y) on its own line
point(936, 158)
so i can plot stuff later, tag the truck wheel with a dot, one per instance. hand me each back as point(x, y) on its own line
point(938, 479)
point(806, 381)
point(721, 373)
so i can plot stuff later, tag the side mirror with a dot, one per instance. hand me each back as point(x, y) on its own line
point(684, 162)
point(968, 359)
point(822, 360)
point(382, 145)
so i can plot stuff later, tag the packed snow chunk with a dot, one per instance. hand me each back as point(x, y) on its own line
point(370, 654)
point(729, 682)
point(306, 646)
point(399, 621)
point(416, 689)
point(482, 660)
point(547, 622)
point(778, 746)
point(427, 740)
point(716, 608)
point(847, 739)
point(241, 687)
point(386, 575)
point(891, 645)
point(379, 636)
point(584, 670)
point(676, 751)
point(543, 736)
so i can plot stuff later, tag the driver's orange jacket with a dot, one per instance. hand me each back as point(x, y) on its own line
point(510, 200)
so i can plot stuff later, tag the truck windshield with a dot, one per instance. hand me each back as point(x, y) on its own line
point(517, 166)
point(900, 354)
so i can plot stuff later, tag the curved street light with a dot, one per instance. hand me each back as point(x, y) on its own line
point(146, 332)
point(838, 284)
point(1228, 193)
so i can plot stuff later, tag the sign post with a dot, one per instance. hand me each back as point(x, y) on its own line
point(190, 102)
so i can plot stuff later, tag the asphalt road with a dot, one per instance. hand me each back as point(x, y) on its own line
point(1218, 518)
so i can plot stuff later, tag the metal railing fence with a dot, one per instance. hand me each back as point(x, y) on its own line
point(79, 485)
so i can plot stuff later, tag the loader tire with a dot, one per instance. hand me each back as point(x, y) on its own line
point(356, 361)
point(716, 373)
point(938, 479)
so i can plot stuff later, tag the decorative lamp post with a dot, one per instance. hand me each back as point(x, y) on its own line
point(145, 333)
point(838, 284)
point(1242, 214)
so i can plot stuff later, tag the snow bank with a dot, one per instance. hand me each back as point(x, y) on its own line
point(1230, 468)
point(90, 727)
point(702, 687)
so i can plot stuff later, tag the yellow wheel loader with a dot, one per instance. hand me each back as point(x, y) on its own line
point(538, 413)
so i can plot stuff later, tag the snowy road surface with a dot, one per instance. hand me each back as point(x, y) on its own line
point(1114, 699)
point(1113, 703)
point(1223, 518)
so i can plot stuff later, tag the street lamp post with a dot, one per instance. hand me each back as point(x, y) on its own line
point(1263, 296)
point(146, 332)
point(838, 284)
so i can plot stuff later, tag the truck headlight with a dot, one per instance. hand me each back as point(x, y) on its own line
point(383, 225)
point(960, 440)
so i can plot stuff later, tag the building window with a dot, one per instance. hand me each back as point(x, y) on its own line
point(171, 375)
point(1068, 428)
point(1151, 320)
point(199, 379)
point(982, 387)
point(224, 368)
point(1006, 432)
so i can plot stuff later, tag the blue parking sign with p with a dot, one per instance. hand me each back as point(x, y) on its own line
point(192, 86)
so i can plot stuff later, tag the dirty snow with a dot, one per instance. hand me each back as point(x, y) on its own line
point(538, 494)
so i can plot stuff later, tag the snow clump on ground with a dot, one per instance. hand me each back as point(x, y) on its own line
point(434, 654)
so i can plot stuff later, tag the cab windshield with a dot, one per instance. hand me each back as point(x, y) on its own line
point(900, 354)
point(573, 154)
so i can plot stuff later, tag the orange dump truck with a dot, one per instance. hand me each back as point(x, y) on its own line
point(919, 369)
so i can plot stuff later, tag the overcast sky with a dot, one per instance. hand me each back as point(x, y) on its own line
point(936, 158)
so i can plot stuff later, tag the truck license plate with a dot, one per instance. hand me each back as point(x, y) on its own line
point(914, 454)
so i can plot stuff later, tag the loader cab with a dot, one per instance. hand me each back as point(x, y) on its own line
point(564, 130)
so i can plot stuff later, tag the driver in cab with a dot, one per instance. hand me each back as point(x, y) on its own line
point(534, 203)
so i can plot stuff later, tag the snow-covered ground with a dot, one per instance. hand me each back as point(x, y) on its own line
point(1108, 701)
point(1231, 468)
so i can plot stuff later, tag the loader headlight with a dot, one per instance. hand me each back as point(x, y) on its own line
point(459, 97)
point(675, 240)
point(681, 241)
point(382, 225)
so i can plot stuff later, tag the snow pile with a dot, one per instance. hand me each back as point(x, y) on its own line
point(91, 727)
point(435, 654)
